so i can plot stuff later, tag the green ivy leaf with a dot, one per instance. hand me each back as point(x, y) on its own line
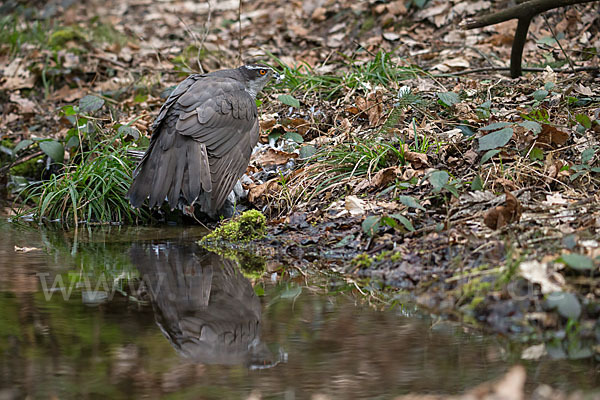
point(488, 155)
point(53, 149)
point(90, 104)
point(21, 145)
point(540, 95)
point(448, 98)
point(588, 154)
point(126, 130)
point(584, 120)
point(289, 100)
point(404, 221)
point(477, 183)
point(296, 137)
point(495, 139)
point(438, 180)
point(307, 151)
point(410, 202)
point(531, 126)
point(536, 154)
point(495, 126)
point(370, 225)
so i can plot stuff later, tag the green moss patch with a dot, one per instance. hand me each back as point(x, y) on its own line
point(251, 225)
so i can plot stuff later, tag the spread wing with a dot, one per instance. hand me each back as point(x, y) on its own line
point(202, 141)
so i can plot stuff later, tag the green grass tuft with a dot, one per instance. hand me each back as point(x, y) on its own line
point(92, 191)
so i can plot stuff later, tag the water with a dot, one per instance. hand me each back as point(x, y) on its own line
point(152, 315)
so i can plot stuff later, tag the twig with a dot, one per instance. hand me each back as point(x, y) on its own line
point(559, 44)
point(114, 62)
point(531, 69)
point(240, 33)
point(20, 161)
point(524, 12)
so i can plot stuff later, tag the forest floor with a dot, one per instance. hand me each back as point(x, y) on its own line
point(397, 151)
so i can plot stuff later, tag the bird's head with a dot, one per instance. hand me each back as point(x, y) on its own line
point(257, 76)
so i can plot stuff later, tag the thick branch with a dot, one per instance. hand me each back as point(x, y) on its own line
point(516, 54)
point(524, 10)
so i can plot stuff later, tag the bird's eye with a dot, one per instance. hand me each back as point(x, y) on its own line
point(262, 71)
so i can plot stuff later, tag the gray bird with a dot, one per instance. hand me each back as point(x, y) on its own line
point(202, 140)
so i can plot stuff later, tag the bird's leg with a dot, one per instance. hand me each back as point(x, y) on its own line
point(189, 211)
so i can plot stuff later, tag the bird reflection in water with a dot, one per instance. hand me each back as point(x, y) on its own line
point(203, 305)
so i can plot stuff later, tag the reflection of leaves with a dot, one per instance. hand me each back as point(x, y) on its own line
point(291, 292)
point(565, 303)
point(577, 261)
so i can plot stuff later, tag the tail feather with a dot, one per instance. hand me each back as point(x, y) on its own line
point(180, 171)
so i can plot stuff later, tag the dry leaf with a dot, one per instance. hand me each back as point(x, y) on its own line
point(273, 157)
point(551, 136)
point(537, 272)
point(375, 107)
point(67, 94)
point(26, 106)
point(380, 179)
point(355, 206)
point(19, 249)
point(417, 160)
point(256, 192)
point(500, 216)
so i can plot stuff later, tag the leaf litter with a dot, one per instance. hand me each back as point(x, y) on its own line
point(460, 187)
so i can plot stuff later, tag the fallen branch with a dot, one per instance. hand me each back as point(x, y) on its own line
point(527, 69)
point(524, 12)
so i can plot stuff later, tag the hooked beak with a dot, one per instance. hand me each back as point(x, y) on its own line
point(278, 77)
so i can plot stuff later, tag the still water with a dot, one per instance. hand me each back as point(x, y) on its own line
point(117, 312)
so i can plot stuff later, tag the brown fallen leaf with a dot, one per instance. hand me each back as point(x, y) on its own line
point(380, 179)
point(256, 192)
point(68, 94)
point(551, 136)
point(26, 106)
point(375, 107)
point(500, 216)
point(417, 160)
point(273, 157)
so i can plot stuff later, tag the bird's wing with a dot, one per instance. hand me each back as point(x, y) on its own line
point(219, 114)
point(203, 138)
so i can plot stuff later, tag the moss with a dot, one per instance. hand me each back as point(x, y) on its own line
point(475, 288)
point(251, 225)
point(62, 36)
point(30, 169)
point(476, 301)
point(396, 256)
point(362, 261)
